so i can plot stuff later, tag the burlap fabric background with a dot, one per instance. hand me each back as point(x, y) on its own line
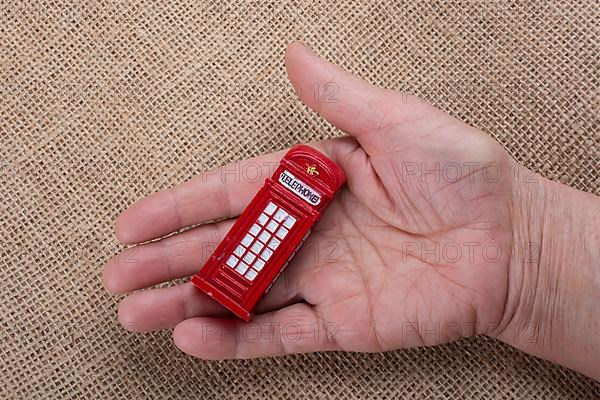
point(104, 102)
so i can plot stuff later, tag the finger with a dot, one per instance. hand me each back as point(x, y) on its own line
point(353, 105)
point(171, 258)
point(216, 194)
point(294, 329)
point(164, 308)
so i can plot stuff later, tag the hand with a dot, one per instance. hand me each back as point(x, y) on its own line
point(422, 236)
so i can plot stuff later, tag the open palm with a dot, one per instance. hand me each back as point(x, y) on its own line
point(414, 251)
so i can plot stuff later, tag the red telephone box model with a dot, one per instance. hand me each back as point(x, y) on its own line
point(270, 230)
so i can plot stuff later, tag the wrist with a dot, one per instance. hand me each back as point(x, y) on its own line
point(552, 305)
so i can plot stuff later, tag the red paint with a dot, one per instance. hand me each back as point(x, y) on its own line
point(270, 230)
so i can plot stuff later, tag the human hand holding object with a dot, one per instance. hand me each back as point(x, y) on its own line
point(438, 235)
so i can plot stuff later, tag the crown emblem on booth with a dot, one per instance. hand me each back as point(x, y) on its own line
point(312, 170)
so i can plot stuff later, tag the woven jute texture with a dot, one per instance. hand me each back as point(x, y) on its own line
point(104, 102)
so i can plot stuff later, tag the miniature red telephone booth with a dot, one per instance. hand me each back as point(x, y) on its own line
point(270, 230)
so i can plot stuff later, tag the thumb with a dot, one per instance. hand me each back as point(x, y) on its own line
point(351, 104)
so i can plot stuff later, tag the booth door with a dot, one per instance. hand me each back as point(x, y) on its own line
point(252, 255)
